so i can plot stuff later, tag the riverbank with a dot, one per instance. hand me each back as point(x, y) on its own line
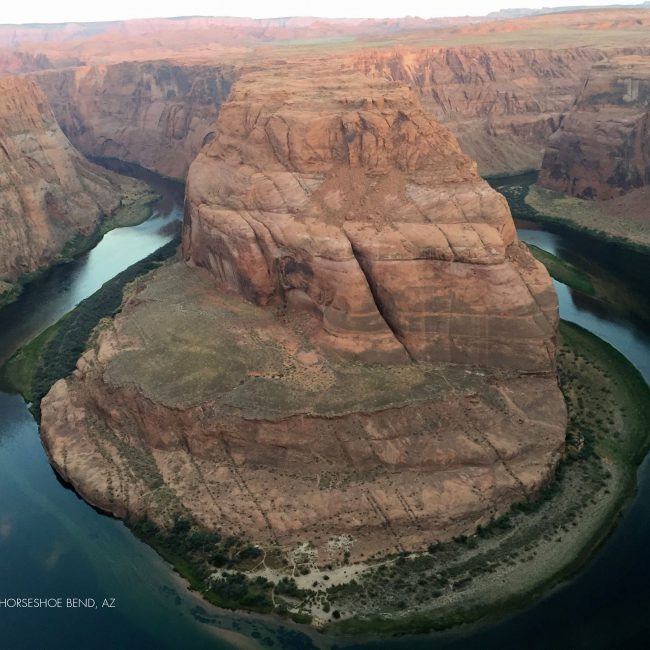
point(563, 271)
point(538, 544)
point(532, 203)
point(518, 556)
point(506, 565)
point(135, 208)
point(53, 354)
point(602, 219)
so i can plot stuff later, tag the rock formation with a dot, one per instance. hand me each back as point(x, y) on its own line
point(197, 403)
point(602, 148)
point(157, 115)
point(345, 198)
point(501, 103)
point(274, 394)
point(49, 193)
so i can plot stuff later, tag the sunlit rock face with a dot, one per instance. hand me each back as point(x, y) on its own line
point(340, 195)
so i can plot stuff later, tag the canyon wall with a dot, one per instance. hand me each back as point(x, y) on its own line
point(501, 103)
point(602, 148)
point(344, 197)
point(49, 192)
point(156, 114)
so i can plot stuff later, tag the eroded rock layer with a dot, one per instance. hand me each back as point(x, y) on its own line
point(194, 402)
point(340, 195)
point(501, 103)
point(49, 193)
point(602, 149)
point(156, 114)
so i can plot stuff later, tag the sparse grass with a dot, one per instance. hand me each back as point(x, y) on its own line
point(590, 216)
point(527, 201)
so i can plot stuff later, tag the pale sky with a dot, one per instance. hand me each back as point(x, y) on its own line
point(32, 11)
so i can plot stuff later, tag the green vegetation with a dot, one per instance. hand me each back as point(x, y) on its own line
point(133, 210)
point(53, 354)
point(564, 271)
point(517, 555)
point(9, 292)
point(216, 566)
point(620, 289)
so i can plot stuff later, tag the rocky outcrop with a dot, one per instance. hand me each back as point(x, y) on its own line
point(602, 148)
point(14, 62)
point(501, 103)
point(157, 114)
point(195, 403)
point(49, 193)
point(340, 195)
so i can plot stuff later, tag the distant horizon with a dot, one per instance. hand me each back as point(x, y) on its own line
point(68, 11)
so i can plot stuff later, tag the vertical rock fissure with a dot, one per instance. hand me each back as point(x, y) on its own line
point(361, 261)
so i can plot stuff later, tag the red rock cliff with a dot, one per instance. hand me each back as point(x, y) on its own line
point(340, 195)
point(48, 192)
point(350, 222)
point(502, 103)
point(157, 114)
point(602, 148)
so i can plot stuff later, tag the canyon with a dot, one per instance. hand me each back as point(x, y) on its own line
point(602, 149)
point(157, 115)
point(49, 193)
point(502, 103)
point(352, 352)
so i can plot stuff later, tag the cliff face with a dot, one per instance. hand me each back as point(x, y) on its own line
point(501, 103)
point(602, 148)
point(14, 61)
point(344, 198)
point(48, 192)
point(158, 115)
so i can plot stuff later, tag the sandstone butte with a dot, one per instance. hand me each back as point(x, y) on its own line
point(49, 192)
point(355, 345)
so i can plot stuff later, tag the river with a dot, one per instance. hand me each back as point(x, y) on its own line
point(52, 544)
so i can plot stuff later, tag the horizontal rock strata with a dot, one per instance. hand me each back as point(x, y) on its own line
point(501, 103)
point(196, 402)
point(358, 346)
point(343, 196)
